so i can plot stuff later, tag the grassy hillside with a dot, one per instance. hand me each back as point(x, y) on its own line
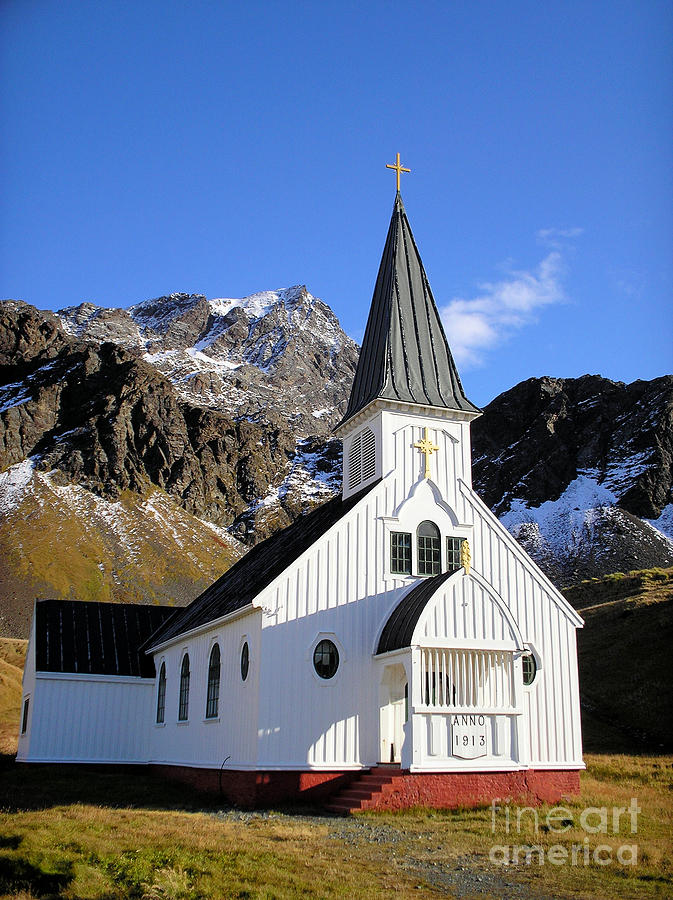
point(63, 541)
point(626, 660)
point(12, 658)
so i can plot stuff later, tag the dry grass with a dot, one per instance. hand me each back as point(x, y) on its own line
point(50, 547)
point(12, 658)
point(77, 834)
point(610, 782)
point(92, 852)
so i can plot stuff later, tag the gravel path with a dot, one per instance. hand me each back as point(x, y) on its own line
point(464, 877)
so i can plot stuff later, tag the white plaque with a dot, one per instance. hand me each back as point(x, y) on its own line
point(469, 735)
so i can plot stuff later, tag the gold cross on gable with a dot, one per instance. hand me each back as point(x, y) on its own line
point(398, 168)
point(427, 448)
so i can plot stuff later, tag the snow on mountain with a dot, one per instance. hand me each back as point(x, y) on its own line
point(664, 524)
point(563, 524)
point(280, 350)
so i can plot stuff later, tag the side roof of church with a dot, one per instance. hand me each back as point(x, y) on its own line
point(405, 355)
point(241, 583)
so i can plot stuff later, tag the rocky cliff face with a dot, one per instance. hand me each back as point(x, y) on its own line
point(132, 413)
point(275, 354)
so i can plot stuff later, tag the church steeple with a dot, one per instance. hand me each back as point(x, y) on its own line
point(405, 355)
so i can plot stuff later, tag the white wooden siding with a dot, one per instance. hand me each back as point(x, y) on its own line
point(232, 735)
point(88, 718)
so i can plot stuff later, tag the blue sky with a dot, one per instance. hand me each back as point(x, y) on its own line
point(224, 148)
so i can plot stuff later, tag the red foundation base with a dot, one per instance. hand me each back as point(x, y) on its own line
point(398, 790)
point(257, 789)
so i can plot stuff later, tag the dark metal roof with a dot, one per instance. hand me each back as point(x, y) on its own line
point(399, 628)
point(95, 638)
point(243, 581)
point(405, 355)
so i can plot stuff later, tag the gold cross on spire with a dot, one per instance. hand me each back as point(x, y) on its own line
point(398, 168)
point(427, 448)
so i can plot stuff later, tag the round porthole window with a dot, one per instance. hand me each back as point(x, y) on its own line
point(529, 668)
point(245, 660)
point(326, 659)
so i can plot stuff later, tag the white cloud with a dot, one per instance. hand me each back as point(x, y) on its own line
point(558, 237)
point(477, 325)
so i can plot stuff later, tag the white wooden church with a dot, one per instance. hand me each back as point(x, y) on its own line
point(395, 646)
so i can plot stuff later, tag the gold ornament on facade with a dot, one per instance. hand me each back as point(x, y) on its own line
point(427, 448)
point(465, 556)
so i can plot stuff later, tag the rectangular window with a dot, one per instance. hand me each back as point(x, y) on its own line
point(24, 720)
point(429, 555)
point(453, 546)
point(400, 553)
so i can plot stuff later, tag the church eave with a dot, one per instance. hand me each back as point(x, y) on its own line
point(344, 428)
point(200, 629)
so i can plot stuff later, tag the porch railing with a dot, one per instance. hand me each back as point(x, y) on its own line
point(467, 679)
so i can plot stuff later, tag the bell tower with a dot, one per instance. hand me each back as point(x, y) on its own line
point(405, 369)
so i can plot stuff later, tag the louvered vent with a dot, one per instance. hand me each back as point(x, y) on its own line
point(362, 458)
point(355, 462)
point(368, 454)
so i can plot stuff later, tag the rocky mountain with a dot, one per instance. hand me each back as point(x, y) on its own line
point(275, 351)
point(195, 427)
point(580, 471)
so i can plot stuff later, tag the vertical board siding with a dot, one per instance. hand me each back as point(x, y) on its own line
point(552, 701)
point(90, 721)
point(232, 734)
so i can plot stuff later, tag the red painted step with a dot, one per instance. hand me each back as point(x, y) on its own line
point(364, 792)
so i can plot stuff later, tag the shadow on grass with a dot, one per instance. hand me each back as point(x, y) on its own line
point(32, 787)
point(18, 874)
point(25, 787)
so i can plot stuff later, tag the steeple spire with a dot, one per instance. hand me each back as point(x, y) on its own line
point(405, 355)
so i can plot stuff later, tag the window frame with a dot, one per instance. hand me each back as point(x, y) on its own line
point(343, 656)
point(213, 684)
point(244, 654)
point(395, 554)
point(422, 552)
point(528, 654)
point(25, 711)
point(183, 694)
point(161, 695)
point(453, 552)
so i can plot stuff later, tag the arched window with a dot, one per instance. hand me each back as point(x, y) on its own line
point(161, 695)
point(213, 698)
point(24, 719)
point(429, 549)
point(183, 706)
